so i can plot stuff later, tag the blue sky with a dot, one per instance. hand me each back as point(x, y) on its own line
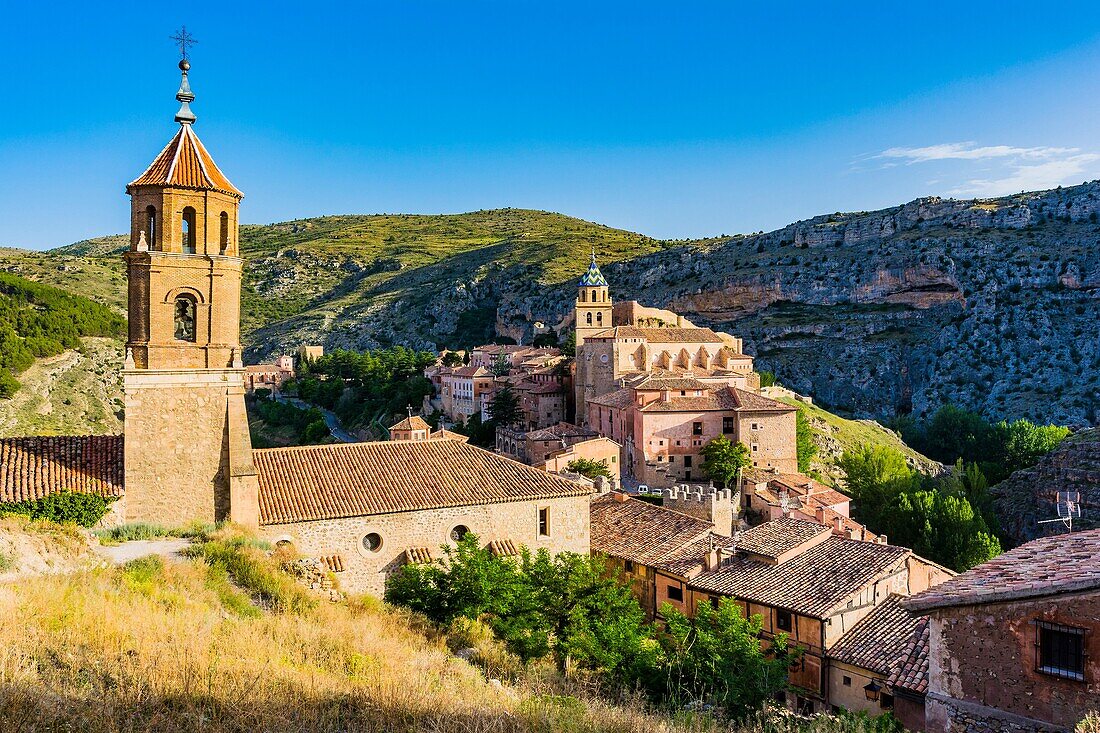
point(675, 119)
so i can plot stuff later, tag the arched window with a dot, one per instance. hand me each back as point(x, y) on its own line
point(584, 296)
point(588, 318)
point(599, 318)
point(593, 296)
point(184, 318)
point(224, 237)
point(151, 226)
point(187, 231)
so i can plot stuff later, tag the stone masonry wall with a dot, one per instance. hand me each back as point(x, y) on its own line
point(367, 571)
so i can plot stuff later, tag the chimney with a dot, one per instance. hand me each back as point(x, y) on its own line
point(619, 496)
point(820, 513)
point(712, 560)
point(838, 523)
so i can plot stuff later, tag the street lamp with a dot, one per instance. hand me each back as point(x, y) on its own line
point(872, 690)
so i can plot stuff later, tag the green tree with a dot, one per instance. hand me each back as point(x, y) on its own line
point(804, 441)
point(504, 408)
point(588, 468)
point(452, 359)
point(722, 459)
point(943, 528)
point(8, 384)
point(569, 346)
point(716, 657)
point(767, 379)
point(1023, 443)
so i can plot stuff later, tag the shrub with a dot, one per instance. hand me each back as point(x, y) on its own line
point(87, 510)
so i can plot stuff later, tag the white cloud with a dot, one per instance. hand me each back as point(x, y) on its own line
point(969, 151)
point(1004, 169)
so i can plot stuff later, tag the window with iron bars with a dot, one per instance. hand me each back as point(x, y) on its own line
point(1060, 650)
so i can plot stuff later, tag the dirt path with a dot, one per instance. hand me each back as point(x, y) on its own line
point(127, 551)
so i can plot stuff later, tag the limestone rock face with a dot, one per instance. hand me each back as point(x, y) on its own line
point(1028, 496)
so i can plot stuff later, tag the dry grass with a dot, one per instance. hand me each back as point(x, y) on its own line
point(184, 646)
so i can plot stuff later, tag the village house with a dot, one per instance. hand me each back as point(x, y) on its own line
point(1014, 643)
point(602, 450)
point(768, 494)
point(269, 376)
point(186, 454)
point(800, 578)
point(412, 427)
point(464, 392)
point(537, 446)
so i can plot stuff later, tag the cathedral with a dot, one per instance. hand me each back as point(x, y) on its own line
point(186, 454)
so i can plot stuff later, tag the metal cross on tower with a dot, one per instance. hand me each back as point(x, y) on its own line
point(184, 40)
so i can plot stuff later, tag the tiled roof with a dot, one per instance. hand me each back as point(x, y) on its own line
point(561, 430)
point(548, 388)
point(813, 583)
point(662, 383)
point(358, 479)
point(619, 399)
point(444, 434)
point(911, 673)
point(642, 532)
point(592, 276)
point(1058, 564)
point(725, 398)
point(34, 467)
point(412, 423)
point(780, 536)
point(471, 371)
point(662, 335)
point(184, 162)
point(334, 563)
point(879, 642)
point(689, 559)
point(263, 368)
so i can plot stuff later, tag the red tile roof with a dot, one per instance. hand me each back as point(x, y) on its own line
point(880, 641)
point(185, 163)
point(444, 434)
point(33, 467)
point(619, 399)
point(307, 483)
point(813, 583)
point(412, 423)
point(1060, 564)
point(662, 335)
point(778, 537)
point(912, 672)
point(726, 398)
point(635, 530)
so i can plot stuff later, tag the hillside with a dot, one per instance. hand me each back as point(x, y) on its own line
point(228, 642)
point(987, 304)
point(1028, 496)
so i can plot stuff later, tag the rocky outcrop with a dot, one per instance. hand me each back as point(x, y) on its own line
point(1029, 496)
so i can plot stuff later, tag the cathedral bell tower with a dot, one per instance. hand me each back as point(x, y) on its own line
point(188, 455)
point(593, 308)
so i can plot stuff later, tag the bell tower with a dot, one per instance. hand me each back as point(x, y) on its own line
point(593, 307)
point(188, 455)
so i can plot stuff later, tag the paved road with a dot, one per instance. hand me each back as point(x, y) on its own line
point(335, 429)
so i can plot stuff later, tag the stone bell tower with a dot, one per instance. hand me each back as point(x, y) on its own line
point(593, 307)
point(188, 455)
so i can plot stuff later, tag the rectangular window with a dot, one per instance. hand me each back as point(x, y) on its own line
point(783, 620)
point(675, 593)
point(697, 428)
point(727, 425)
point(886, 701)
point(755, 447)
point(847, 681)
point(544, 522)
point(628, 565)
point(754, 426)
point(687, 461)
point(1061, 650)
point(672, 459)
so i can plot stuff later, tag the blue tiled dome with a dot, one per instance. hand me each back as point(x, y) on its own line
point(593, 277)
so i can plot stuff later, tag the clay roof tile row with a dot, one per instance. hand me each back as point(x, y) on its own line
point(34, 467)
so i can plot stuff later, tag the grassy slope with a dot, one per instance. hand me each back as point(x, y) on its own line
point(834, 434)
point(180, 646)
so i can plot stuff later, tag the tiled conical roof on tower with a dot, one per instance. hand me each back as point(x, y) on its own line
point(184, 162)
point(593, 277)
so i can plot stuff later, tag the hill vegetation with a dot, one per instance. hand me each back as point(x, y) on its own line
point(227, 641)
point(38, 320)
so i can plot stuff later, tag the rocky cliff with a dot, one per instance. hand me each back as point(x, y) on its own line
point(1029, 496)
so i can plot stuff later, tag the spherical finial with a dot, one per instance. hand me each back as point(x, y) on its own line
point(185, 65)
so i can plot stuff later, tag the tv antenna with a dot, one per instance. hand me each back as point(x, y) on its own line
point(1068, 504)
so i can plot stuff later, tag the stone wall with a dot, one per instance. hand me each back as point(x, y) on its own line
point(982, 665)
point(720, 507)
point(367, 571)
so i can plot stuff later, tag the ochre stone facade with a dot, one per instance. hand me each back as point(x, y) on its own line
point(366, 570)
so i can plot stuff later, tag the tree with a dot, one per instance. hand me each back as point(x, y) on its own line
point(767, 379)
point(588, 468)
point(943, 528)
point(1023, 443)
point(546, 340)
point(804, 441)
point(569, 346)
point(504, 408)
point(717, 657)
point(722, 460)
point(8, 384)
point(451, 359)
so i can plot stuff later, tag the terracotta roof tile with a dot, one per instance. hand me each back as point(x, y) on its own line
point(778, 537)
point(880, 641)
point(334, 563)
point(725, 398)
point(358, 479)
point(184, 162)
point(34, 467)
point(444, 434)
point(503, 548)
point(642, 532)
point(418, 555)
point(412, 423)
point(813, 583)
point(561, 430)
point(619, 399)
point(662, 335)
point(912, 672)
point(1058, 564)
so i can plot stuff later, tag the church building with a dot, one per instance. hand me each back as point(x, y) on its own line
point(186, 454)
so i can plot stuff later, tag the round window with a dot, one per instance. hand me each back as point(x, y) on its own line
point(372, 542)
point(603, 358)
point(459, 532)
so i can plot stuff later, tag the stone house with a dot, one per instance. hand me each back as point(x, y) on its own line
point(1014, 643)
point(269, 376)
point(412, 427)
point(768, 494)
point(535, 447)
point(463, 392)
point(604, 450)
point(380, 505)
point(664, 422)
